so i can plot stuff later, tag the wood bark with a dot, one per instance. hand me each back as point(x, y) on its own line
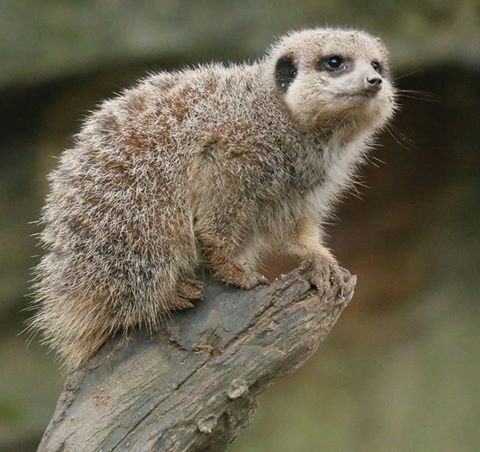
point(193, 385)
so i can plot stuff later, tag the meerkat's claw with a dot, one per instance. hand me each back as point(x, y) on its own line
point(262, 280)
point(349, 286)
point(180, 304)
point(250, 280)
point(244, 279)
point(326, 276)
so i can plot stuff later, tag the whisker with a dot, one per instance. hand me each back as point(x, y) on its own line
point(377, 160)
point(400, 138)
point(406, 139)
point(387, 128)
point(416, 95)
point(417, 91)
point(418, 98)
point(408, 74)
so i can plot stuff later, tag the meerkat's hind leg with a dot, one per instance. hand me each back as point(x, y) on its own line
point(188, 290)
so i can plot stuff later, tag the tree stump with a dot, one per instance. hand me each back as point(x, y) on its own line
point(193, 384)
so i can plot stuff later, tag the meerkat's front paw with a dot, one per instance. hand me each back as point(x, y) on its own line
point(238, 276)
point(326, 276)
point(253, 279)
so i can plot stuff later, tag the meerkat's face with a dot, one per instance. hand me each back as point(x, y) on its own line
point(325, 76)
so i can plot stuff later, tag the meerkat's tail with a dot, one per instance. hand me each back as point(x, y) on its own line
point(77, 313)
point(75, 336)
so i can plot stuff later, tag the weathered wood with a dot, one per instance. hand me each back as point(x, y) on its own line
point(193, 385)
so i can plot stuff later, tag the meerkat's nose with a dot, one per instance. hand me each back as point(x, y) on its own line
point(373, 84)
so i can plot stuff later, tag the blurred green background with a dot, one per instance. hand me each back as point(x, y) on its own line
point(401, 370)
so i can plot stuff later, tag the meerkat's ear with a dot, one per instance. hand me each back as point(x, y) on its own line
point(285, 72)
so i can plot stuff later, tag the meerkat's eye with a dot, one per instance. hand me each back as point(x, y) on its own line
point(334, 63)
point(376, 65)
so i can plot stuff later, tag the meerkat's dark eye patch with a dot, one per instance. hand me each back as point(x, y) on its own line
point(285, 72)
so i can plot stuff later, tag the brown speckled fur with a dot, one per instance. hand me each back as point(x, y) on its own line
point(212, 164)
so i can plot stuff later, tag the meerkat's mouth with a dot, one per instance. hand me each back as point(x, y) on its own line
point(367, 95)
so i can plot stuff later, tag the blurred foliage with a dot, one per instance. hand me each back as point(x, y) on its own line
point(401, 370)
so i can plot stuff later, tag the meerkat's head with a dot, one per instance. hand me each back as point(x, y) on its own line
point(329, 76)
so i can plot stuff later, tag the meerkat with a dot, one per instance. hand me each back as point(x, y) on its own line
point(211, 165)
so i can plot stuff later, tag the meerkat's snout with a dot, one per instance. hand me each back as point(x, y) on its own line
point(373, 84)
point(372, 79)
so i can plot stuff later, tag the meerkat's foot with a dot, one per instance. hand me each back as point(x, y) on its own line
point(326, 275)
point(236, 275)
point(180, 304)
point(190, 289)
